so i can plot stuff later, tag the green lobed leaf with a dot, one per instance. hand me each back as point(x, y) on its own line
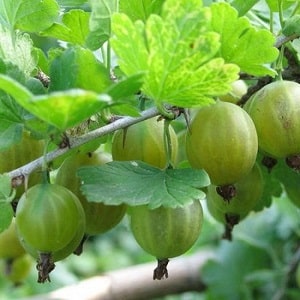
point(13, 117)
point(11, 126)
point(15, 89)
point(243, 6)
point(78, 67)
point(137, 183)
point(140, 9)
point(5, 188)
point(126, 87)
point(10, 133)
point(10, 69)
point(124, 94)
point(129, 44)
point(74, 28)
point(36, 15)
point(177, 51)
point(100, 20)
point(6, 215)
point(292, 26)
point(18, 50)
point(60, 109)
point(274, 5)
point(42, 57)
point(67, 108)
point(28, 15)
point(241, 43)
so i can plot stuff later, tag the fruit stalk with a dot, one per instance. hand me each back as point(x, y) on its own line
point(168, 142)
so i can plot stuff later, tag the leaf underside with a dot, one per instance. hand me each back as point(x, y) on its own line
point(137, 183)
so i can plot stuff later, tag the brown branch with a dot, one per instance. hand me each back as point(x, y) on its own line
point(136, 283)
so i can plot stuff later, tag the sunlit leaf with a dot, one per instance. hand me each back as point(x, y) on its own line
point(241, 43)
point(60, 109)
point(78, 67)
point(36, 15)
point(18, 50)
point(100, 21)
point(74, 28)
point(28, 15)
point(68, 108)
point(129, 44)
point(177, 51)
point(140, 9)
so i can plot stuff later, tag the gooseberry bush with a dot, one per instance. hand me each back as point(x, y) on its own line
point(177, 118)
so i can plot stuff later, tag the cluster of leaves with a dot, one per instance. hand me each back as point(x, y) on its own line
point(183, 59)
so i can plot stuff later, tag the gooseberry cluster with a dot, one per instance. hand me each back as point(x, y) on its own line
point(16, 262)
point(53, 218)
point(163, 232)
point(225, 139)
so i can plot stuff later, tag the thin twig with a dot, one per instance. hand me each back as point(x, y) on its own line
point(110, 128)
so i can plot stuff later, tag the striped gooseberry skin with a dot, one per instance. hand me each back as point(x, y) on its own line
point(63, 252)
point(27, 150)
point(47, 217)
point(144, 141)
point(100, 217)
point(274, 110)
point(222, 140)
point(10, 246)
point(166, 232)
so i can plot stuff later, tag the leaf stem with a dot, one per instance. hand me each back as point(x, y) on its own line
point(108, 56)
point(168, 142)
point(45, 171)
point(271, 21)
point(103, 56)
point(279, 65)
point(280, 8)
